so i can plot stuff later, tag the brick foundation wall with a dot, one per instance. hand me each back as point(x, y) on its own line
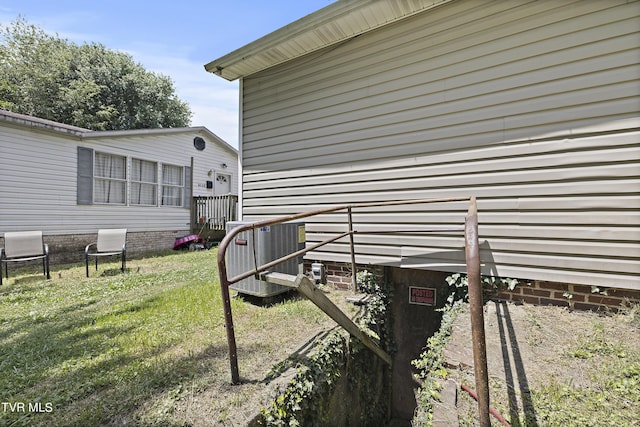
point(575, 297)
point(69, 248)
point(338, 274)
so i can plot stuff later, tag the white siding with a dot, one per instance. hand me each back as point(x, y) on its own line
point(533, 107)
point(177, 149)
point(38, 179)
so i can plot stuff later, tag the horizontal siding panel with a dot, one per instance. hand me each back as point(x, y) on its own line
point(443, 64)
point(562, 151)
point(521, 164)
point(426, 254)
point(605, 218)
point(295, 204)
point(565, 203)
point(409, 43)
point(583, 173)
point(374, 144)
point(579, 234)
point(532, 107)
point(564, 221)
point(409, 241)
point(437, 99)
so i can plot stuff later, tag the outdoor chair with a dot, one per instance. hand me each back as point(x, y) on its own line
point(110, 242)
point(24, 246)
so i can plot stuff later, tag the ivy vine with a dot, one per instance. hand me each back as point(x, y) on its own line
point(302, 403)
point(305, 400)
point(459, 286)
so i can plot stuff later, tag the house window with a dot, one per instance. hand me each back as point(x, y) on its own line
point(110, 179)
point(172, 185)
point(144, 183)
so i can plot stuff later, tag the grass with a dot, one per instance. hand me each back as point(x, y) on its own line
point(140, 348)
point(583, 369)
point(612, 396)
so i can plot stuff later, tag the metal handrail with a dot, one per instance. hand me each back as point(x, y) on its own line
point(473, 271)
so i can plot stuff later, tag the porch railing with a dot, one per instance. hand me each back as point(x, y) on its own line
point(211, 213)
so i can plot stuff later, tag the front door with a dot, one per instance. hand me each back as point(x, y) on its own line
point(222, 184)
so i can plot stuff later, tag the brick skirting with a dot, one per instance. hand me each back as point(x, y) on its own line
point(578, 297)
point(575, 297)
point(69, 248)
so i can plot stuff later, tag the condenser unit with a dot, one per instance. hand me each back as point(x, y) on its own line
point(271, 242)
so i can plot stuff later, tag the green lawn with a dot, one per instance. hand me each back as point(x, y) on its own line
point(139, 348)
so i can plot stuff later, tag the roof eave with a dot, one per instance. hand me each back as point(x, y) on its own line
point(316, 31)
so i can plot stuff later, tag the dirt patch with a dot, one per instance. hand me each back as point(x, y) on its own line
point(530, 348)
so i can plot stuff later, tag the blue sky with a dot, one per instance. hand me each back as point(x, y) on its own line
point(174, 38)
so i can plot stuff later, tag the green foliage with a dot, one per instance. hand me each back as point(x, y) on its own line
point(596, 344)
point(616, 402)
point(459, 285)
point(136, 348)
point(430, 364)
point(370, 377)
point(431, 367)
point(613, 395)
point(84, 85)
point(93, 347)
point(597, 290)
point(375, 317)
point(303, 402)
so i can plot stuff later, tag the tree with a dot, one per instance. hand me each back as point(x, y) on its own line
point(85, 85)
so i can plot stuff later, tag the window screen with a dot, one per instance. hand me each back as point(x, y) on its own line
point(144, 182)
point(110, 174)
point(172, 185)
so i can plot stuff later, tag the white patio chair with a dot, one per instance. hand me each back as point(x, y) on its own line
point(110, 242)
point(24, 246)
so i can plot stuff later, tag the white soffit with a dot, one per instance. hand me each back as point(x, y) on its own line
point(333, 24)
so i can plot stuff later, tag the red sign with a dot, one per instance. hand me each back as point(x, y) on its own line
point(422, 296)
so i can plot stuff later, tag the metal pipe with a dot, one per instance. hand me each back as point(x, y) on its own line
point(434, 230)
point(354, 282)
point(476, 304)
point(307, 214)
point(228, 319)
point(492, 410)
point(226, 241)
point(225, 282)
point(273, 263)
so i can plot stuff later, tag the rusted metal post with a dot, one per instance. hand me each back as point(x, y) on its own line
point(354, 278)
point(477, 317)
point(226, 302)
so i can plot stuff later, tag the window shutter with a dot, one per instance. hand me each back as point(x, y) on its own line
point(187, 187)
point(85, 176)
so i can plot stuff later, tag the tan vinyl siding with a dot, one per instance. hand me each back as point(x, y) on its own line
point(533, 107)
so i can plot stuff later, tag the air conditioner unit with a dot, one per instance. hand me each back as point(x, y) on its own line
point(271, 242)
